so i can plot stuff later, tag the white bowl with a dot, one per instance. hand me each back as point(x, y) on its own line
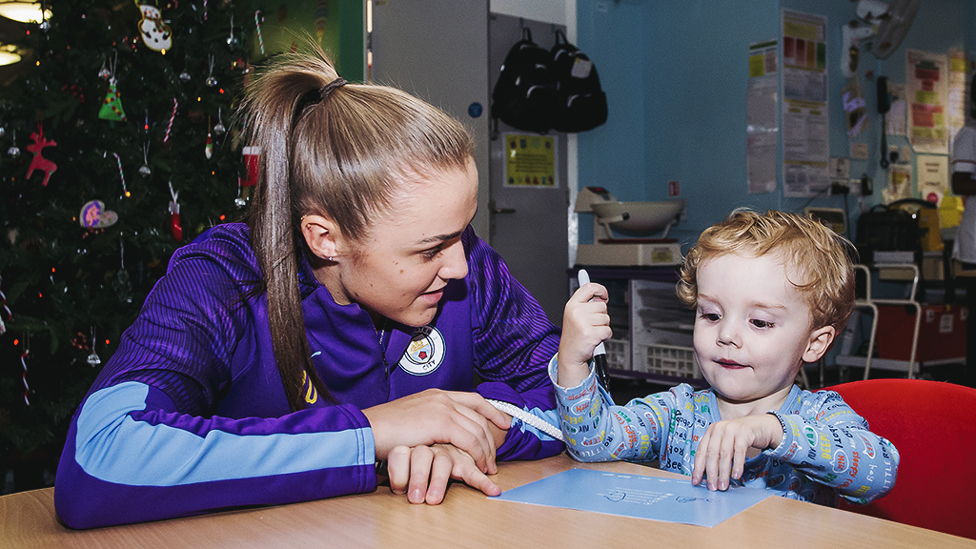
point(639, 218)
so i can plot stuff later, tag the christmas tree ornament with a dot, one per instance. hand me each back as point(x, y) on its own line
point(232, 42)
point(13, 151)
point(39, 162)
point(6, 309)
point(321, 14)
point(211, 81)
point(155, 33)
point(104, 73)
point(175, 228)
point(145, 170)
point(112, 105)
point(172, 117)
point(257, 25)
point(93, 215)
point(185, 76)
point(122, 283)
point(23, 366)
point(3, 132)
point(219, 129)
point(44, 25)
point(250, 179)
point(93, 358)
point(208, 150)
point(125, 191)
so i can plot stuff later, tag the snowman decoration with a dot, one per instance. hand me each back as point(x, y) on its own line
point(156, 34)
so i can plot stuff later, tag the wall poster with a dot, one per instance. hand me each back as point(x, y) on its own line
point(762, 128)
point(806, 151)
point(927, 80)
point(530, 161)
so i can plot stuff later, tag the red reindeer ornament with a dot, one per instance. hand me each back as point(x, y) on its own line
point(39, 162)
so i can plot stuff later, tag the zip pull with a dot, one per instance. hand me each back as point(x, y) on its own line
point(386, 365)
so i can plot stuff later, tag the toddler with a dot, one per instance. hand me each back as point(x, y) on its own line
point(771, 292)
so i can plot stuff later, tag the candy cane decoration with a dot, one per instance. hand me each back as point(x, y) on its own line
point(171, 118)
point(23, 376)
point(3, 301)
point(122, 175)
point(257, 23)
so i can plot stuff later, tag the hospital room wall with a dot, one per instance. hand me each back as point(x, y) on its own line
point(675, 74)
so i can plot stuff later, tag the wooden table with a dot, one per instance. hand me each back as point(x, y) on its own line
point(467, 518)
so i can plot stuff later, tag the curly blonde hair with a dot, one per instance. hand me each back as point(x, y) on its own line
point(822, 260)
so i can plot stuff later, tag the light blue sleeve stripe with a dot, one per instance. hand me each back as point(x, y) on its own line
point(549, 416)
point(113, 447)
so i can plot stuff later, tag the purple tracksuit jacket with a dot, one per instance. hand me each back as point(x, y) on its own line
point(190, 416)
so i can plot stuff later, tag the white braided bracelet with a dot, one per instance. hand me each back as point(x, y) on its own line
point(527, 418)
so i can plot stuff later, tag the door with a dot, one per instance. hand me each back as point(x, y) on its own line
point(529, 225)
point(438, 50)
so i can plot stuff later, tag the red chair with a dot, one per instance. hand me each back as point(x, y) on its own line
point(932, 424)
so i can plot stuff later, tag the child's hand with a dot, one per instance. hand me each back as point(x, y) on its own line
point(722, 450)
point(423, 472)
point(585, 324)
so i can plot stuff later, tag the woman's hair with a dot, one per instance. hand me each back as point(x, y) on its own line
point(821, 260)
point(340, 151)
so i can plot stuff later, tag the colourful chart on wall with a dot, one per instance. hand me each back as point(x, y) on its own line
point(806, 151)
point(530, 161)
point(927, 78)
point(960, 69)
point(762, 129)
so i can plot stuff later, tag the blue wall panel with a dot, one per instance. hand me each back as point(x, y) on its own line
point(675, 74)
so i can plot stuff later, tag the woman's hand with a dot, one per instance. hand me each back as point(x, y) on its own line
point(435, 416)
point(721, 454)
point(585, 324)
point(422, 472)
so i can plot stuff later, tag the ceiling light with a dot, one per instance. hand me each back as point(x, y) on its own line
point(25, 12)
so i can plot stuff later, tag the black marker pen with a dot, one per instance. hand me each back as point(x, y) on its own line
point(600, 353)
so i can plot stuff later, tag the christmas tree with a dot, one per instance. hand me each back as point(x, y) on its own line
point(114, 149)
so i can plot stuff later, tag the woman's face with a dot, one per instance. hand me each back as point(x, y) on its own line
point(410, 252)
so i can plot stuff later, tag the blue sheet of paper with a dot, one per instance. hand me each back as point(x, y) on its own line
point(638, 496)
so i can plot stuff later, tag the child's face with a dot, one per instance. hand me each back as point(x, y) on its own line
point(752, 328)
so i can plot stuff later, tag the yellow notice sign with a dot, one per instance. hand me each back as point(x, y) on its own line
point(530, 161)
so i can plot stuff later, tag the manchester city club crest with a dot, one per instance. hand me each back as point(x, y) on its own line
point(425, 353)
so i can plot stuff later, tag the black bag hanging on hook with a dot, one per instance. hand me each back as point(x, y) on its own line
point(525, 94)
point(582, 104)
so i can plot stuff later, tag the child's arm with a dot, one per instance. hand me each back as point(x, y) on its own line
point(595, 429)
point(585, 325)
point(831, 444)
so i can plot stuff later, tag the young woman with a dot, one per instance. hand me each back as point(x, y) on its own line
point(345, 324)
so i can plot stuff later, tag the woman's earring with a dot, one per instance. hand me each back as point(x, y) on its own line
point(330, 258)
